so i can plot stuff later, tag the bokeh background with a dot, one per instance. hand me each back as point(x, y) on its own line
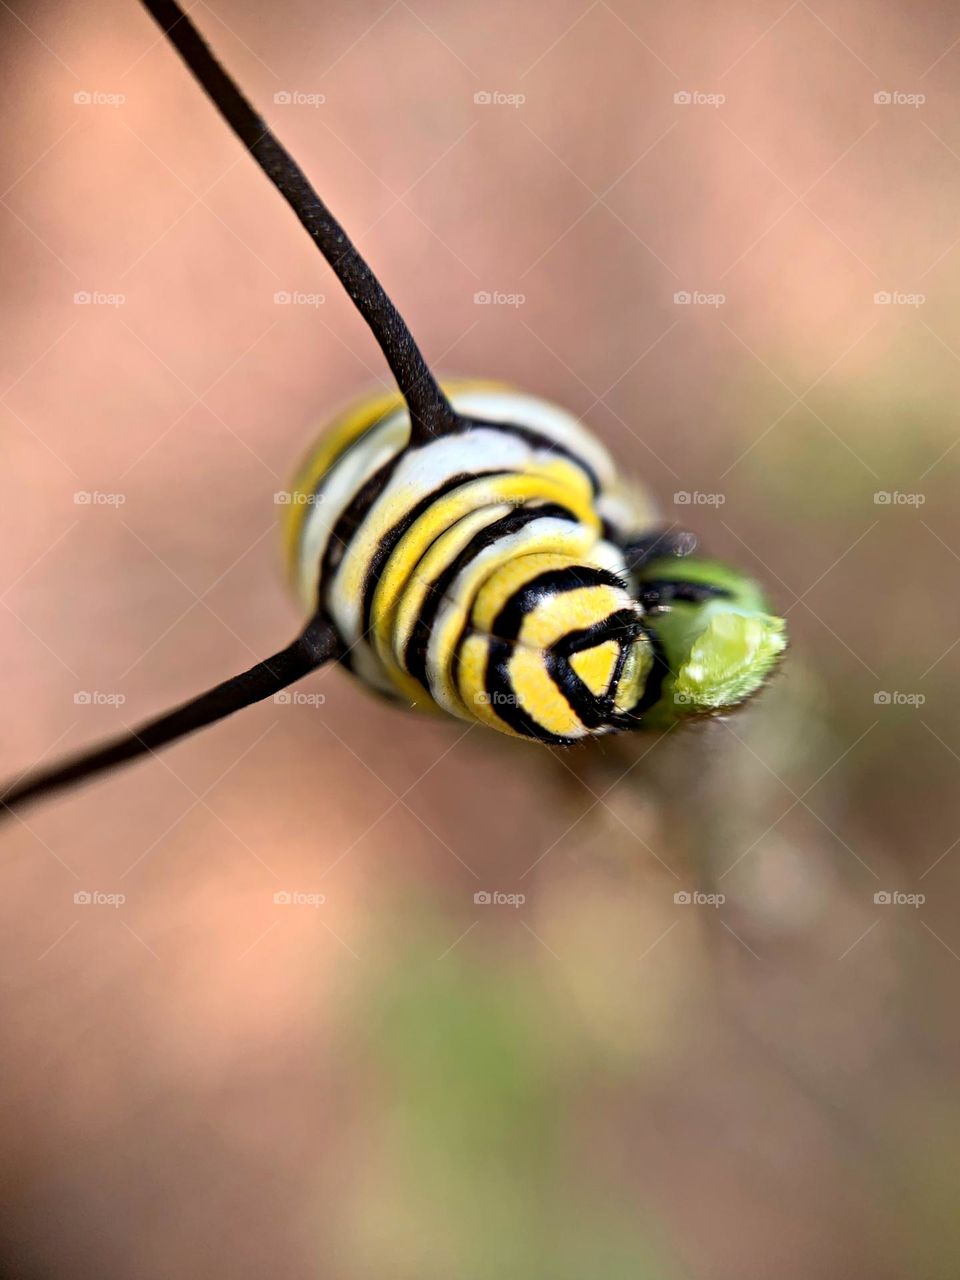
point(600, 1081)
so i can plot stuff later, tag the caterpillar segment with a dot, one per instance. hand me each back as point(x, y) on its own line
point(481, 574)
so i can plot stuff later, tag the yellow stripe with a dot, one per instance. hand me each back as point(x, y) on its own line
point(595, 666)
point(539, 696)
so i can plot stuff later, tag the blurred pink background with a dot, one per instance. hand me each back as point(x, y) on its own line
point(599, 1082)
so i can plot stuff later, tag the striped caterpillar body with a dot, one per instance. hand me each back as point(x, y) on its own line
point(485, 573)
point(480, 573)
point(467, 549)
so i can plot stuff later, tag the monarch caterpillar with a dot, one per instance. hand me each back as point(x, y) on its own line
point(468, 548)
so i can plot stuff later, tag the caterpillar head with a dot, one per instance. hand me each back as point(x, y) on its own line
point(714, 633)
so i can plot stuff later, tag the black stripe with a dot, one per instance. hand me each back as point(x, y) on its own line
point(507, 623)
point(624, 627)
point(618, 667)
point(615, 626)
point(352, 515)
point(388, 542)
point(415, 655)
point(591, 711)
point(539, 441)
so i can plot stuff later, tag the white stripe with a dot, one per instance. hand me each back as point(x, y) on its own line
point(539, 415)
